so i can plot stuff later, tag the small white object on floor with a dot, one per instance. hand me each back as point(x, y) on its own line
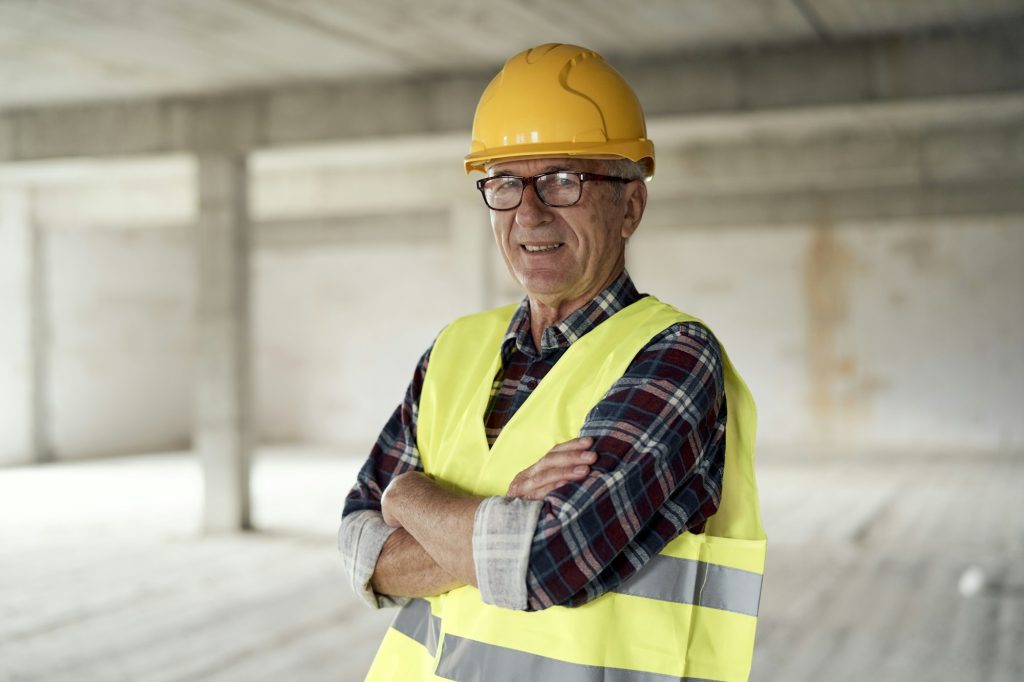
point(972, 581)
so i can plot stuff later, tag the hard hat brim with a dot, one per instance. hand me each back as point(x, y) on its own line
point(634, 150)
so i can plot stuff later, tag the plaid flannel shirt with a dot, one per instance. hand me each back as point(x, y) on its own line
point(659, 434)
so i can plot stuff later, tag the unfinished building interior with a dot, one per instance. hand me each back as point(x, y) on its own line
point(228, 230)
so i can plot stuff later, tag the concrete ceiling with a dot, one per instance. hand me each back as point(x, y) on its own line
point(64, 51)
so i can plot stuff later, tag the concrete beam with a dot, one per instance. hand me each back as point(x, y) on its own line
point(981, 61)
point(223, 423)
point(894, 68)
point(913, 202)
point(419, 227)
point(807, 163)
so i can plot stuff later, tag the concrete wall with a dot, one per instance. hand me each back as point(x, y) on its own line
point(862, 271)
point(97, 309)
point(338, 331)
point(120, 307)
point(901, 335)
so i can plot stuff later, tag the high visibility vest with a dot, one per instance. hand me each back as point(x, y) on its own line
point(689, 614)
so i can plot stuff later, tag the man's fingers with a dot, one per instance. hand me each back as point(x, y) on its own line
point(550, 473)
point(568, 461)
point(574, 444)
point(556, 463)
point(566, 458)
point(538, 490)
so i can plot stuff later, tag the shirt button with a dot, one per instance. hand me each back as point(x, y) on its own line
point(530, 383)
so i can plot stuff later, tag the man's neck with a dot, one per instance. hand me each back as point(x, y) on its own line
point(547, 312)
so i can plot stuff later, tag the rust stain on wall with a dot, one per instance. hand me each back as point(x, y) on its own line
point(826, 290)
point(842, 388)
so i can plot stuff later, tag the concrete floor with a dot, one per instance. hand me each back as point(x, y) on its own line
point(104, 575)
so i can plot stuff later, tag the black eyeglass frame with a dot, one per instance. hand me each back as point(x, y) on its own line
point(532, 180)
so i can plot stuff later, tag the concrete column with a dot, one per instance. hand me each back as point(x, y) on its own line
point(223, 424)
point(22, 350)
point(39, 340)
point(472, 243)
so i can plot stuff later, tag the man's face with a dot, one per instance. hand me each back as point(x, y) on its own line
point(589, 237)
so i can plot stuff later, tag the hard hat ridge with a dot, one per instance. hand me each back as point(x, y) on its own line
point(558, 100)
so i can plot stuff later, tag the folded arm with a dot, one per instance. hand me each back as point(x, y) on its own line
point(403, 568)
point(438, 520)
point(436, 538)
point(561, 537)
point(447, 531)
point(659, 435)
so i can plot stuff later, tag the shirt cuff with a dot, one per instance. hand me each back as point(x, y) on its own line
point(503, 531)
point(360, 540)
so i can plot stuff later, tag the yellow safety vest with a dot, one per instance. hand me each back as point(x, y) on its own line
point(689, 614)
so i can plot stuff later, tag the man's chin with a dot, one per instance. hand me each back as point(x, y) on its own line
point(544, 283)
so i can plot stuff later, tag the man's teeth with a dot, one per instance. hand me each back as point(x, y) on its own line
point(535, 249)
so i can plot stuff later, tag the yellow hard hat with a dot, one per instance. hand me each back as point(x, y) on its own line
point(558, 100)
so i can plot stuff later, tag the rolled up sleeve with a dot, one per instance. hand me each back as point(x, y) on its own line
point(360, 540)
point(362, 532)
point(503, 530)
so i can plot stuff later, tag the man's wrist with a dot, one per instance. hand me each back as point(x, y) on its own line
point(390, 501)
point(396, 496)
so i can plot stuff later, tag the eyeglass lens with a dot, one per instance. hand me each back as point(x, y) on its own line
point(554, 189)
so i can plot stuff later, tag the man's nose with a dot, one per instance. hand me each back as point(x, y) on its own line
point(532, 211)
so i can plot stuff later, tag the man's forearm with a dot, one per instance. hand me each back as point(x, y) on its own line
point(404, 569)
point(440, 521)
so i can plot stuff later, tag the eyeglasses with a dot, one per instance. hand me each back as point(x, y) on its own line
point(557, 189)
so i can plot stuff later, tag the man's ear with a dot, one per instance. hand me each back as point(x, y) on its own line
point(635, 202)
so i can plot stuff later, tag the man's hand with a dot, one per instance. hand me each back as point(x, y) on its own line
point(568, 461)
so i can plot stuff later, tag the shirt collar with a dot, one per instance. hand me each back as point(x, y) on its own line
point(613, 298)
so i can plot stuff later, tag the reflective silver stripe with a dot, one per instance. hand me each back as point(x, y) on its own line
point(467, 660)
point(686, 581)
point(416, 621)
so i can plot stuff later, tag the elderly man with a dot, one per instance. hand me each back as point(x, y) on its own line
point(567, 490)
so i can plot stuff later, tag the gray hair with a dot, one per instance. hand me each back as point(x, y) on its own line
point(624, 168)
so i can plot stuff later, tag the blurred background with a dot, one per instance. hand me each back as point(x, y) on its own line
point(229, 228)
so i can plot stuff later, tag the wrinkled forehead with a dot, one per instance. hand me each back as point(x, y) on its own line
point(533, 166)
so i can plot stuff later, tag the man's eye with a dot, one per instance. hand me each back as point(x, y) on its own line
point(504, 184)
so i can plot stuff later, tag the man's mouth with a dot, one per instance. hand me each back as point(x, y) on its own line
point(540, 248)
